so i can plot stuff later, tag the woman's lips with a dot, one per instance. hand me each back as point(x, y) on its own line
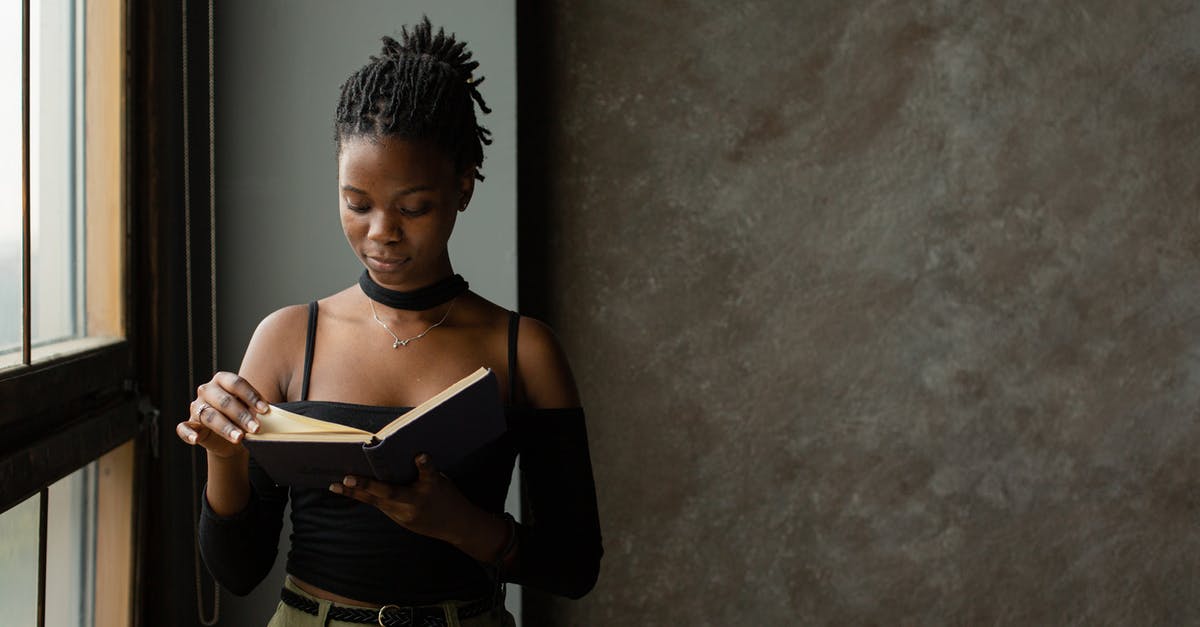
point(386, 264)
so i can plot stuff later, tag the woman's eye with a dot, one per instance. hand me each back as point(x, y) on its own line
point(357, 208)
point(418, 211)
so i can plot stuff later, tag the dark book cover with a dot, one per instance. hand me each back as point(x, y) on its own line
point(309, 463)
point(449, 428)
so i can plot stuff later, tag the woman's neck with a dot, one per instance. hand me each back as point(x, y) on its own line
point(420, 299)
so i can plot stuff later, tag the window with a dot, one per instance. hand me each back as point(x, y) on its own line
point(70, 553)
point(73, 258)
point(19, 561)
point(56, 207)
point(10, 184)
point(67, 407)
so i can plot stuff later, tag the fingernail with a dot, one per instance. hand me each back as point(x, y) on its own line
point(423, 459)
point(262, 407)
point(192, 438)
point(336, 488)
point(252, 425)
point(350, 481)
point(237, 435)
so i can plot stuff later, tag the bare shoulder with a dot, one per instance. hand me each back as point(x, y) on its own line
point(544, 372)
point(283, 322)
point(270, 357)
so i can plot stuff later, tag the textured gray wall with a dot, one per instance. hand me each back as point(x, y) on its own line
point(883, 312)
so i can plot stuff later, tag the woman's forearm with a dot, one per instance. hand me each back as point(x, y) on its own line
point(228, 489)
point(483, 538)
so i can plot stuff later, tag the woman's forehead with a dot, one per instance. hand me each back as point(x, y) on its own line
point(403, 161)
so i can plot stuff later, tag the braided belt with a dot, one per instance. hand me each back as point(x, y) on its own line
point(388, 615)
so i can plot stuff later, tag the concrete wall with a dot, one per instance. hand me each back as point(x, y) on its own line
point(883, 313)
point(279, 66)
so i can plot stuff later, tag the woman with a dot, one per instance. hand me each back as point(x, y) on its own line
point(436, 551)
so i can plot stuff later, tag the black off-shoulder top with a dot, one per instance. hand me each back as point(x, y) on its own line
point(354, 550)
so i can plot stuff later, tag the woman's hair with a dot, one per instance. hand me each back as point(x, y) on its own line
point(418, 88)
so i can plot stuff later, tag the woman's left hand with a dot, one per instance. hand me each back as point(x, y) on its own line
point(431, 506)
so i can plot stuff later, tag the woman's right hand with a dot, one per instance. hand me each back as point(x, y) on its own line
point(222, 412)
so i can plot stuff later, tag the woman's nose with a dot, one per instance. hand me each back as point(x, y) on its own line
point(385, 227)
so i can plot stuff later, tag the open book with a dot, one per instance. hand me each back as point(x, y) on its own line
point(304, 452)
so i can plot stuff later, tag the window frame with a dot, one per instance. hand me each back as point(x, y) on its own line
point(61, 413)
point(83, 404)
point(155, 363)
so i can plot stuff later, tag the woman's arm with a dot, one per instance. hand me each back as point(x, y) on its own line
point(559, 549)
point(225, 407)
point(240, 549)
point(242, 509)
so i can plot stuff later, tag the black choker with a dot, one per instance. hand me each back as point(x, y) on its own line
point(427, 297)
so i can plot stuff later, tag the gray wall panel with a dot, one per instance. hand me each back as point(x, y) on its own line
point(884, 313)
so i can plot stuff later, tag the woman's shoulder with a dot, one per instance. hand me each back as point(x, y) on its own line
point(283, 326)
point(543, 372)
point(266, 362)
point(289, 324)
point(543, 368)
point(284, 319)
point(277, 346)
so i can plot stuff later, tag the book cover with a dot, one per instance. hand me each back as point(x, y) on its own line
point(304, 452)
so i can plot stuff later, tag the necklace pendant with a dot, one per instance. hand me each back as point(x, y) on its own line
point(396, 341)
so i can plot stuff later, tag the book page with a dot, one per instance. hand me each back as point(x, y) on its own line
point(278, 420)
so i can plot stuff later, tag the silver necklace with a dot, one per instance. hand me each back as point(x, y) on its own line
point(399, 342)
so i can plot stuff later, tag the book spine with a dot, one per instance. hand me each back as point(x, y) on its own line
point(367, 448)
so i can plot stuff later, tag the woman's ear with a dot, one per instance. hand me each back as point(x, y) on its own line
point(466, 187)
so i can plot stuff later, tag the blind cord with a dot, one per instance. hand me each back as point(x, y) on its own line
point(187, 253)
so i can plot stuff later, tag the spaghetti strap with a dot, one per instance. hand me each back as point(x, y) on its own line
point(514, 323)
point(308, 348)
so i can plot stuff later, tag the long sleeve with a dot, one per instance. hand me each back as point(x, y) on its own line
point(239, 550)
point(559, 550)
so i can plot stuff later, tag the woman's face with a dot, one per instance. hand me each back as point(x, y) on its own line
point(399, 199)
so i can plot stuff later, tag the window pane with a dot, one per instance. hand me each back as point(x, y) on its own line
point(10, 184)
point(71, 549)
point(19, 562)
point(54, 150)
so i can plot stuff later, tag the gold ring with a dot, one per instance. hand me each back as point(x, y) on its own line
point(380, 617)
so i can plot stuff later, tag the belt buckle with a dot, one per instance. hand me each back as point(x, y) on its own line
point(403, 614)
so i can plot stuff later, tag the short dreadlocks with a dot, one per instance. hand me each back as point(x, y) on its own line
point(421, 87)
